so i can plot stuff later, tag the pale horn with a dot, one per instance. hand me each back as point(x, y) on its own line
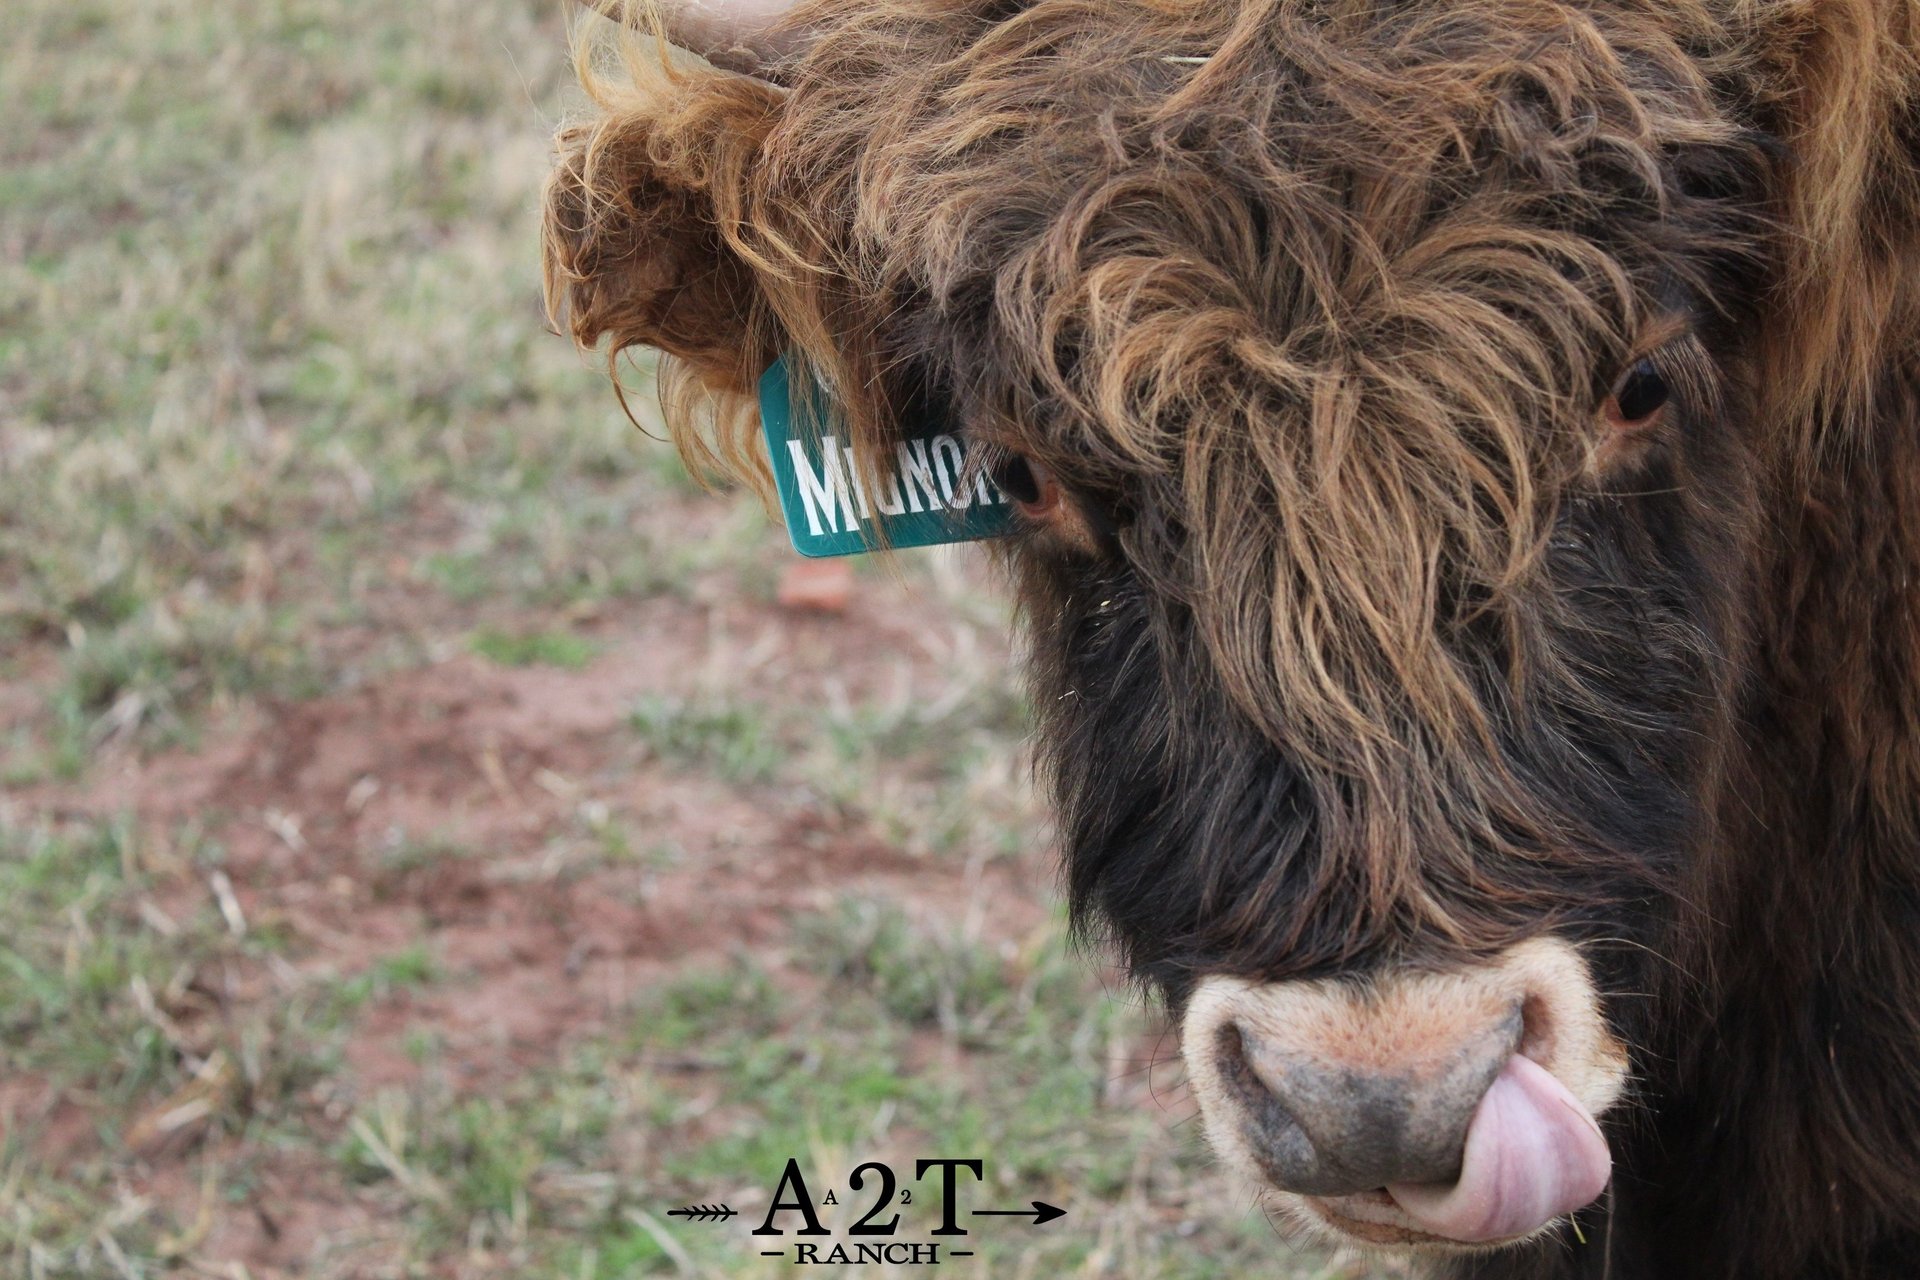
point(737, 35)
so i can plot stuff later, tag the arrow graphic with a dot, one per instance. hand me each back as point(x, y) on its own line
point(703, 1213)
point(1041, 1211)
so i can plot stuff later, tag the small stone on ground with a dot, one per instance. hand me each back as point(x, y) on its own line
point(819, 586)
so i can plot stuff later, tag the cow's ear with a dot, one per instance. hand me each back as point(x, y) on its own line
point(1835, 90)
point(643, 246)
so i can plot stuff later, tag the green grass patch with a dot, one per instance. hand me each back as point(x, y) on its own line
point(921, 976)
point(534, 649)
point(411, 967)
point(733, 739)
point(698, 1007)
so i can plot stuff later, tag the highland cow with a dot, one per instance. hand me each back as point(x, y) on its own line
point(1469, 464)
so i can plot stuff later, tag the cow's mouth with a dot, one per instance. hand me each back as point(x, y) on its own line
point(1533, 1155)
point(1371, 1217)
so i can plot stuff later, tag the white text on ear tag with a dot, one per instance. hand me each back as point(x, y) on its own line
point(929, 496)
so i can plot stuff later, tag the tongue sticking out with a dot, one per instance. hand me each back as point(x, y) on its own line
point(1533, 1153)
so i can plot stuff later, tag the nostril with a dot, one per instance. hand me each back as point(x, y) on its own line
point(1230, 1051)
point(1261, 1107)
point(1275, 1137)
point(1537, 1029)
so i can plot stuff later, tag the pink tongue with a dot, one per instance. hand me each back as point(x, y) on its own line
point(1533, 1153)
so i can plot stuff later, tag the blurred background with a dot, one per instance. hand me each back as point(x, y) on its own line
point(428, 844)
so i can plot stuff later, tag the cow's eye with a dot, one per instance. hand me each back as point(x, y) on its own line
point(1031, 486)
point(1639, 398)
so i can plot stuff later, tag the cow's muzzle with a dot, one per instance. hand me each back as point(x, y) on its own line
point(1414, 1108)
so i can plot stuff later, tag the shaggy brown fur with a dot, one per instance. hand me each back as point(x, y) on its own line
point(1399, 657)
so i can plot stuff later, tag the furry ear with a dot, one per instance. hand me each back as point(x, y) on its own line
point(642, 240)
point(1834, 84)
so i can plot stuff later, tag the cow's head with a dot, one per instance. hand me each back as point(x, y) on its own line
point(1378, 385)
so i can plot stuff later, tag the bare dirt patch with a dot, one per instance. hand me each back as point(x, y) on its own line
point(440, 803)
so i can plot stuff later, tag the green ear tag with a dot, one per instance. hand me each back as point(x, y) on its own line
point(921, 501)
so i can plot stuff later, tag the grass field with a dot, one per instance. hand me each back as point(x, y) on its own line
point(426, 848)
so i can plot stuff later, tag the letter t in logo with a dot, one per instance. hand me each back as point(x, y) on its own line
point(949, 1209)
